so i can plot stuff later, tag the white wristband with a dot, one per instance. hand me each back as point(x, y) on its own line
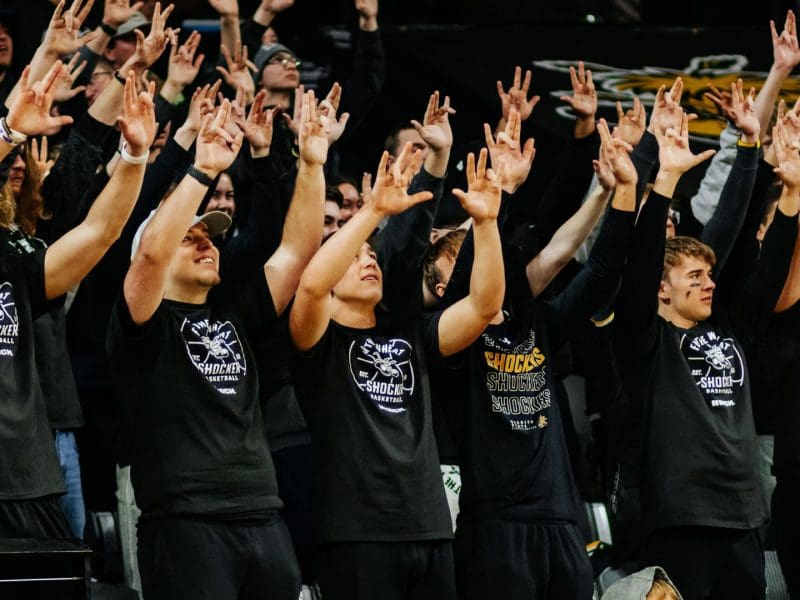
point(9, 136)
point(134, 160)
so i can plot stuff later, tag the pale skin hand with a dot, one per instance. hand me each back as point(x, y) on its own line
point(390, 193)
point(790, 130)
point(266, 11)
point(328, 108)
point(739, 109)
point(615, 151)
point(258, 126)
point(435, 127)
point(481, 201)
point(367, 14)
point(30, 111)
point(313, 139)
point(516, 97)
point(150, 48)
point(116, 12)
point(788, 157)
point(39, 155)
point(583, 100)
point(293, 122)
point(64, 90)
point(632, 123)
point(667, 112)
point(138, 119)
point(183, 65)
point(675, 157)
point(216, 148)
point(225, 8)
point(239, 72)
point(61, 37)
point(509, 158)
point(785, 49)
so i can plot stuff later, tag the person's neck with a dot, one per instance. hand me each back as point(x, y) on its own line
point(198, 295)
point(358, 315)
point(278, 98)
point(666, 312)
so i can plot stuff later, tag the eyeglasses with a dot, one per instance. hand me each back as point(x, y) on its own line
point(285, 62)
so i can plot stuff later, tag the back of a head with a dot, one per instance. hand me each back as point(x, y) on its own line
point(448, 246)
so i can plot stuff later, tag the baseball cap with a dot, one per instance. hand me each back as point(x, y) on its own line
point(266, 52)
point(216, 221)
point(137, 21)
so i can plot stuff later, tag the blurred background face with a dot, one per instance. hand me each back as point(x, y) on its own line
point(101, 76)
point(280, 73)
point(222, 198)
point(6, 48)
point(350, 204)
point(331, 224)
point(17, 175)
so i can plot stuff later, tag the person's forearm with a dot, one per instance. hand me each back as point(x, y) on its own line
point(705, 201)
point(487, 284)
point(332, 260)
point(767, 95)
point(644, 158)
point(40, 64)
point(100, 42)
point(302, 231)
point(106, 108)
point(230, 35)
point(584, 127)
point(436, 162)
point(791, 289)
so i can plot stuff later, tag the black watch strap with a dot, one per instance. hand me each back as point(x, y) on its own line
point(193, 171)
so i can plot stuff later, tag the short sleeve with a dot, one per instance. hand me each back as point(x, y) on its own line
point(33, 271)
point(125, 338)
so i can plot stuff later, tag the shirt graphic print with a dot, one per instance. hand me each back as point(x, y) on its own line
point(216, 352)
point(716, 366)
point(9, 321)
point(382, 369)
point(516, 378)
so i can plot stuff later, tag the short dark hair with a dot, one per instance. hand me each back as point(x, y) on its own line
point(334, 195)
point(448, 245)
point(393, 139)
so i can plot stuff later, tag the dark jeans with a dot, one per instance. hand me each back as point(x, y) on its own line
point(786, 522)
point(521, 560)
point(709, 562)
point(387, 571)
point(181, 558)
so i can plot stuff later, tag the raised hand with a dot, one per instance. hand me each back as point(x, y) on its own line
point(258, 126)
point(584, 96)
point(328, 108)
point(313, 136)
point(632, 123)
point(484, 190)
point(138, 119)
point(510, 159)
point(390, 192)
point(435, 127)
point(738, 108)
point(183, 66)
point(276, 6)
point(517, 96)
point(39, 156)
point(293, 122)
point(116, 12)
point(239, 72)
point(667, 112)
point(150, 48)
point(64, 90)
point(614, 156)
point(788, 157)
point(225, 7)
point(216, 148)
point(30, 110)
point(61, 37)
point(785, 50)
point(674, 155)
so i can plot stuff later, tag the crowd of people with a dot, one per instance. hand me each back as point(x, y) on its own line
point(278, 369)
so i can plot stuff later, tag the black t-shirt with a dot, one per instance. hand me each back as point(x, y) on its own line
point(702, 455)
point(376, 470)
point(189, 383)
point(514, 461)
point(28, 462)
point(51, 352)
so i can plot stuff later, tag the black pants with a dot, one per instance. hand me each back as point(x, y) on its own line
point(709, 562)
point(387, 571)
point(786, 523)
point(198, 560)
point(41, 518)
point(521, 560)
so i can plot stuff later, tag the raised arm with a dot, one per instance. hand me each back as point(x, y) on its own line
point(464, 321)
point(311, 310)
point(516, 98)
point(146, 280)
point(228, 10)
point(72, 256)
point(302, 231)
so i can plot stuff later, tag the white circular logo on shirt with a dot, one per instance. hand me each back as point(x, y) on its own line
point(382, 369)
point(216, 352)
point(9, 321)
point(716, 366)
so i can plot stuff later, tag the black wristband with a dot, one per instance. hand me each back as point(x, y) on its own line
point(108, 29)
point(204, 179)
point(118, 76)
